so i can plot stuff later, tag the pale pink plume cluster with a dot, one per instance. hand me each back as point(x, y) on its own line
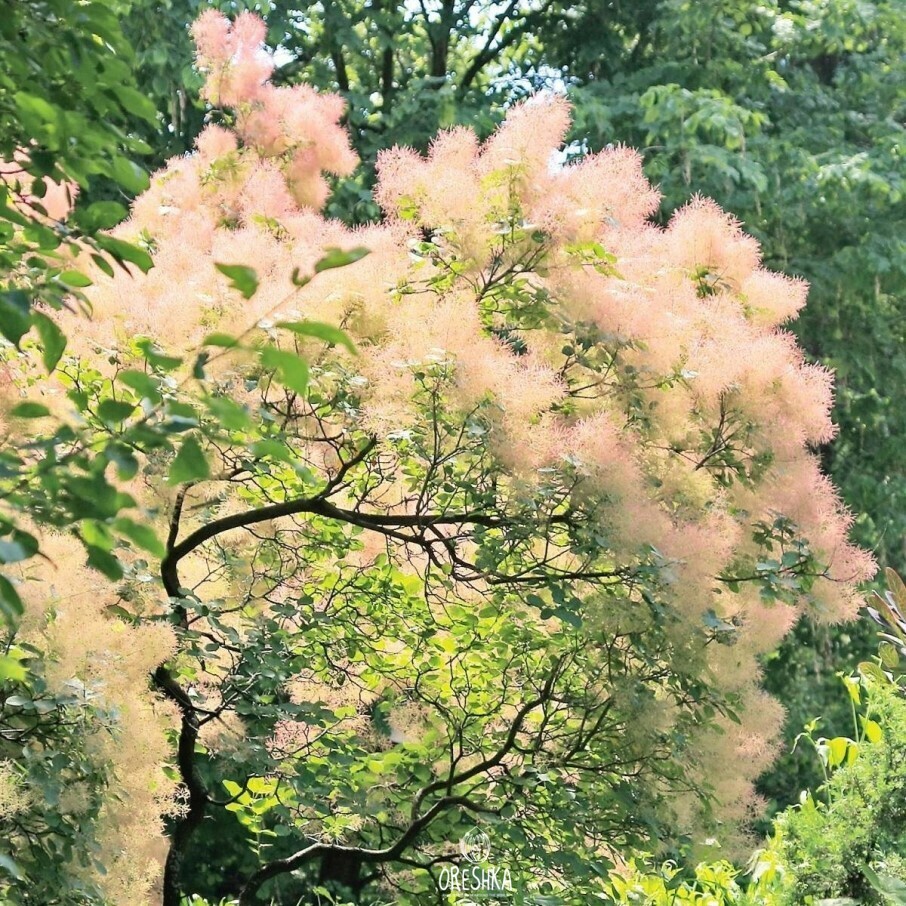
point(295, 124)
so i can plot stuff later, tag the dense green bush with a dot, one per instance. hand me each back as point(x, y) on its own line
point(857, 819)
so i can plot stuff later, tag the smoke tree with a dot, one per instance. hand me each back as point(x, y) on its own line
point(503, 546)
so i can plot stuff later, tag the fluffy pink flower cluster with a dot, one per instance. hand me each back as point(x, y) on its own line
point(295, 124)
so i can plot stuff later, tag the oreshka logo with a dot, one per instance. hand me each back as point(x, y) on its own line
point(477, 877)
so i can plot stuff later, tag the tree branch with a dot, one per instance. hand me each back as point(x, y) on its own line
point(418, 821)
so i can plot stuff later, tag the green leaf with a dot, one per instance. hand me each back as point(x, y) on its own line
point(232, 788)
point(889, 655)
point(129, 175)
point(292, 370)
point(75, 279)
point(872, 729)
point(126, 252)
point(102, 215)
point(15, 313)
point(198, 367)
point(30, 410)
point(104, 562)
point(115, 411)
point(892, 888)
point(325, 332)
point(336, 257)
point(53, 340)
point(96, 534)
point(156, 358)
point(143, 535)
point(836, 750)
point(11, 670)
point(19, 547)
point(136, 102)
point(229, 413)
point(872, 670)
point(569, 616)
point(123, 458)
point(190, 463)
point(534, 600)
point(298, 279)
point(221, 339)
point(142, 383)
point(242, 278)
point(103, 264)
point(10, 602)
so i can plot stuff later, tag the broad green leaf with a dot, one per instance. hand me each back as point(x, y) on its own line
point(17, 546)
point(15, 311)
point(889, 655)
point(53, 340)
point(143, 535)
point(129, 175)
point(872, 670)
point(96, 534)
point(115, 411)
point(123, 458)
point(242, 278)
point(104, 562)
point(29, 409)
point(126, 252)
point(836, 750)
point(142, 383)
point(75, 279)
point(325, 332)
point(189, 464)
point(221, 339)
point(155, 357)
point(335, 257)
point(11, 670)
point(291, 369)
point(102, 215)
point(10, 602)
point(229, 413)
point(892, 888)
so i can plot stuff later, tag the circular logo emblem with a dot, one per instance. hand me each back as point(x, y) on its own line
point(475, 845)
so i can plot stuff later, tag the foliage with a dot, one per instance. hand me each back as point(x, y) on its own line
point(66, 94)
point(847, 841)
point(712, 884)
point(717, 95)
point(842, 843)
point(504, 551)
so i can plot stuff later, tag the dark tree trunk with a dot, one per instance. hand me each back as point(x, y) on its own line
point(342, 872)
